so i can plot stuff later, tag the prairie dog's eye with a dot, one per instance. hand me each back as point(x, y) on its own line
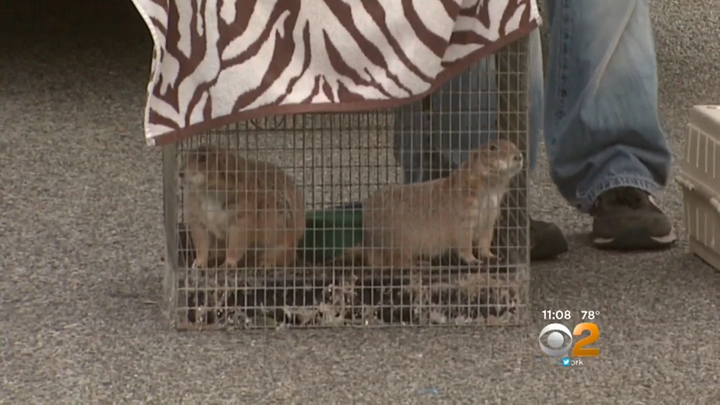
point(493, 147)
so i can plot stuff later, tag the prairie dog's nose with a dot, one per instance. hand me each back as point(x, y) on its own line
point(518, 157)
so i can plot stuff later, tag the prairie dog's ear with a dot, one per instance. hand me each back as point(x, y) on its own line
point(200, 155)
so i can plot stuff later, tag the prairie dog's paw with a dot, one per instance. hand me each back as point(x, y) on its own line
point(470, 260)
point(487, 254)
point(265, 263)
point(229, 264)
point(199, 263)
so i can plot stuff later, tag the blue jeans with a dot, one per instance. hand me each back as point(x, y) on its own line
point(598, 111)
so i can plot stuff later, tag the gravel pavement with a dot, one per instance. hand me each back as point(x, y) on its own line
point(81, 240)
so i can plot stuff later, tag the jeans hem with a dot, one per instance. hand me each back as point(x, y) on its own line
point(586, 200)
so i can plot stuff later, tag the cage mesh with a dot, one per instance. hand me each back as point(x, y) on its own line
point(337, 162)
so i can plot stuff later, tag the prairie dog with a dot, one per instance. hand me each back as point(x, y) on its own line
point(238, 204)
point(404, 222)
point(490, 198)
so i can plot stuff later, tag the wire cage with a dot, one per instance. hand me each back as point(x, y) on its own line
point(310, 221)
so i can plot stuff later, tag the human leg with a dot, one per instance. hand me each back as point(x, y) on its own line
point(432, 138)
point(431, 141)
point(460, 117)
point(606, 148)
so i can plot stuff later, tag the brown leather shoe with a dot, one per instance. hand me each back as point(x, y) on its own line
point(546, 241)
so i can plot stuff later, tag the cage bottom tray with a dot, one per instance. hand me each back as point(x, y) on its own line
point(340, 293)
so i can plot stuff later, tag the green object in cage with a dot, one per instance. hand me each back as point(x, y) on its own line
point(330, 232)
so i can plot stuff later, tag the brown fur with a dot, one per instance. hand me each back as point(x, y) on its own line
point(238, 204)
point(403, 223)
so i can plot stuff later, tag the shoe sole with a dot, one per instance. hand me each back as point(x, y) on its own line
point(636, 240)
point(553, 245)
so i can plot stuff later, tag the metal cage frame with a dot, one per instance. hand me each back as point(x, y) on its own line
point(512, 75)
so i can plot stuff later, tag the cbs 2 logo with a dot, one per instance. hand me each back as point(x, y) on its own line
point(556, 340)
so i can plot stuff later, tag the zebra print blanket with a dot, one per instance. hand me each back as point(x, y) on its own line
point(217, 62)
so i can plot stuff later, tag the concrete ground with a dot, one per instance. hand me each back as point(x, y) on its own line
point(81, 236)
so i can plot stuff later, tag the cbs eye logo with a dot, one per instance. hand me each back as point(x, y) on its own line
point(556, 343)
